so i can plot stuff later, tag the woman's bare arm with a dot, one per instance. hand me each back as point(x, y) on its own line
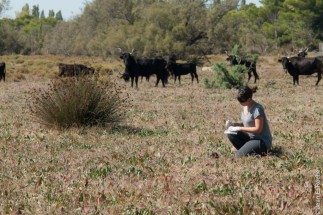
point(257, 129)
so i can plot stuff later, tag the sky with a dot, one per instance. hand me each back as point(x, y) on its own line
point(69, 8)
point(256, 2)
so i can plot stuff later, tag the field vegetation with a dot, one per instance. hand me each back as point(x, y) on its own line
point(160, 159)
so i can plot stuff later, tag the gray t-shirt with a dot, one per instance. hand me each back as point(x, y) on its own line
point(249, 121)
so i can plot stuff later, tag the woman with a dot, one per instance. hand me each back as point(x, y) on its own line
point(253, 134)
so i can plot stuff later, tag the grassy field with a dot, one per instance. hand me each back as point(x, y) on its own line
point(159, 161)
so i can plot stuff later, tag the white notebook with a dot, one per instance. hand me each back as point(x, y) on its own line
point(230, 132)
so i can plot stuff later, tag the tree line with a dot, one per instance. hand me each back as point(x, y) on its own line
point(35, 13)
point(162, 27)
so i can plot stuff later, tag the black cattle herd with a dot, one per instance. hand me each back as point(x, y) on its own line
point(159, 66)
point(144, 67)
point(163, 67)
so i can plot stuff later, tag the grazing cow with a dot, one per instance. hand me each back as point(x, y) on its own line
point(251, 66)
point(2, 71)
point(74, 70)
point(296, 66)
point(177, 69)
point(146, 67)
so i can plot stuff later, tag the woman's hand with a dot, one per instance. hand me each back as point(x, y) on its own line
point(234, 128)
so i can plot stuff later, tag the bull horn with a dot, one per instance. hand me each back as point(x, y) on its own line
point(227, 53)
point(132, 51)
point(120, 50)
point(306, 49)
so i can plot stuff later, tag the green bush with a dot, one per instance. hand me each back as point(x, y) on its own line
point(226, 79)
point(82, 101)
point(209, 83)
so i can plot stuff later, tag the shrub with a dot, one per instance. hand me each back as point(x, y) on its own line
point(82, 101)
point(226, 79)
point(209, 83)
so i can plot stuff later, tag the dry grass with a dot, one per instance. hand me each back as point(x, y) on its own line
point(159, 161)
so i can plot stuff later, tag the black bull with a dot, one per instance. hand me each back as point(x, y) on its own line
point(177, 69)
point(297, 66)
point(2, 71)
point(135, 67)
point(74, 70)
point(251, 66)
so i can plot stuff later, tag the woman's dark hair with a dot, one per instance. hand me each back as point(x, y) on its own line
point(245, 93)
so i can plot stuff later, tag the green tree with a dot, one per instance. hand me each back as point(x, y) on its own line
point(58, 15)
point(222, 32)
point(151, 27)
point(4, 4)
point(31, 32)
point(249, 19)
point(9, 33)
point(289, 23)
point(270, 11)
point(51, 14)
point(309, 12)
point(42, 14)
point(226, 79)
point(24, 11)
point(216, 2)
point(61, 39)
point(317, 7)
point(35, 11)
point(187, 27)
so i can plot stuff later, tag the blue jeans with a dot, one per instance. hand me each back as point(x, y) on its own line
point(245, 145)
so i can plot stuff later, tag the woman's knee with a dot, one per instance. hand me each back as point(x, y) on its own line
point(231, 136)
point(252, 147)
